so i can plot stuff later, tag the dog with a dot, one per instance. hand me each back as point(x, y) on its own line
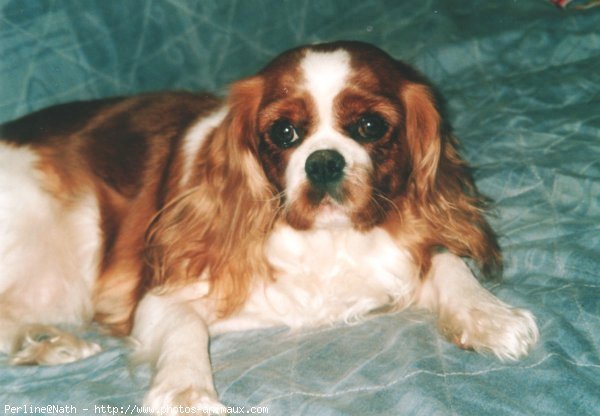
point(324, 188)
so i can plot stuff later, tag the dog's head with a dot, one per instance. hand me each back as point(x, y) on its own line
point(341, 131)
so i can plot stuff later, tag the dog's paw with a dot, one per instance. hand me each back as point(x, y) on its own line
point(170, 400)
point(494, 328)
point(46, 345)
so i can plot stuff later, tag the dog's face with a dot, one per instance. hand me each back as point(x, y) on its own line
point(332, 134)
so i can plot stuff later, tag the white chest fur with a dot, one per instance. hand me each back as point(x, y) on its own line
point(325, 276)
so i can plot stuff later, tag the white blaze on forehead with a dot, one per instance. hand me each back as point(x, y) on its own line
point(325, 75)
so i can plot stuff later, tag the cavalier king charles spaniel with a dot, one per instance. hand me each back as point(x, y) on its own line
point(323, 189)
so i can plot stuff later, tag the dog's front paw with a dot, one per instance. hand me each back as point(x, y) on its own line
point(46, 345)
point(494, 328)
point(170, 400)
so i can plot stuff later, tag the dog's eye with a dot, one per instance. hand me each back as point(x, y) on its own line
point(284, 134)
point(369, 127)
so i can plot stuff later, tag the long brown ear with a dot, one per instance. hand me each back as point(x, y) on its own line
point(441, 186)
point(216, 231)
point(422, 122)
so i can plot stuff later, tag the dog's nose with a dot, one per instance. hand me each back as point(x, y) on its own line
point(324, 166)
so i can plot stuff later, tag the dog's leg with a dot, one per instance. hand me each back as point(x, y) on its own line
point(470, 316)
point(174, 337)
point(32, 343)
point(49, 255)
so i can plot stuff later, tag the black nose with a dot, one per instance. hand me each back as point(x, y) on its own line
point(324, 167)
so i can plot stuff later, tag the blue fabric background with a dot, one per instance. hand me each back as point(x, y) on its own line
point(522, 84)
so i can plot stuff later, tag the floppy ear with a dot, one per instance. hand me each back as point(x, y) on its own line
point(216, 230)
point(422, 122)
point(441, 186)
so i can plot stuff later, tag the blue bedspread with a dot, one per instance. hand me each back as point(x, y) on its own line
point(522, 83)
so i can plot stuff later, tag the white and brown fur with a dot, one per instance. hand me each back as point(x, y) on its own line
point(172, 216)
